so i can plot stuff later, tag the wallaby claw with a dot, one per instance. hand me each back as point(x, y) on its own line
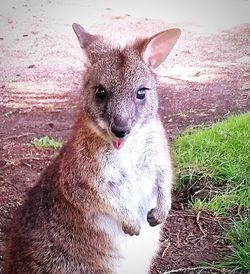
point(155, 217)
point(131, 230)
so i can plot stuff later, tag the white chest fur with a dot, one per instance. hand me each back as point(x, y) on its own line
point(129, 177)
point(131, 172)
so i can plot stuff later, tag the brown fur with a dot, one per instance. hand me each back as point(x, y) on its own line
point(58, 209)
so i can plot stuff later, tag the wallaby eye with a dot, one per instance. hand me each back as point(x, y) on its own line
point(141, 93)
point(100, 93)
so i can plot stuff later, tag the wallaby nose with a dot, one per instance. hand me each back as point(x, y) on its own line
point(120, 125)
point(118, 132)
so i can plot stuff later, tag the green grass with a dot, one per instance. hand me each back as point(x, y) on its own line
point(46, 142)
point(239, 237)
point(218, 158)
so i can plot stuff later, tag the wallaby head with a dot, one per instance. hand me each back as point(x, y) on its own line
point(119, 84)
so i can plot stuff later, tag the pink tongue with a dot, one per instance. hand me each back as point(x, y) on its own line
point(118, 144)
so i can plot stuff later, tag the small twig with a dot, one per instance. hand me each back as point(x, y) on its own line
point(9, 163)
point(178, 239)
point(238, 213)
point(215, 218)
point(198, 223)
point(166, 244)
point(219, 237)
point(26, 164)
point(193, 269)
point(17, 136)
point(7, 145)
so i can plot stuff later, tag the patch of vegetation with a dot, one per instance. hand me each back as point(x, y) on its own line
point(218, 158)
point(46, 142)
point(239, 237)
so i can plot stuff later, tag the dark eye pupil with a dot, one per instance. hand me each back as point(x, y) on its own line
point(100, 93)
point(140, 94)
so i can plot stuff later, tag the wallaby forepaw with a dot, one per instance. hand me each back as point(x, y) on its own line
point(131, 229)
point(155, 217)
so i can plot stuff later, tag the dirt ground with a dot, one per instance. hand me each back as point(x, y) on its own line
point(206, 78)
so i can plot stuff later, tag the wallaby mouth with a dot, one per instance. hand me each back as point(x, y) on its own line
point(118, 144)
point(118, 135)
point(117, 141)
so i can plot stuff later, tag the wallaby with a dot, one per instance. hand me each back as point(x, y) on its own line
point(97, 206)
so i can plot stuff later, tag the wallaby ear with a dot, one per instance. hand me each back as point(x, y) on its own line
point(158, 47)
point(83, 36)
